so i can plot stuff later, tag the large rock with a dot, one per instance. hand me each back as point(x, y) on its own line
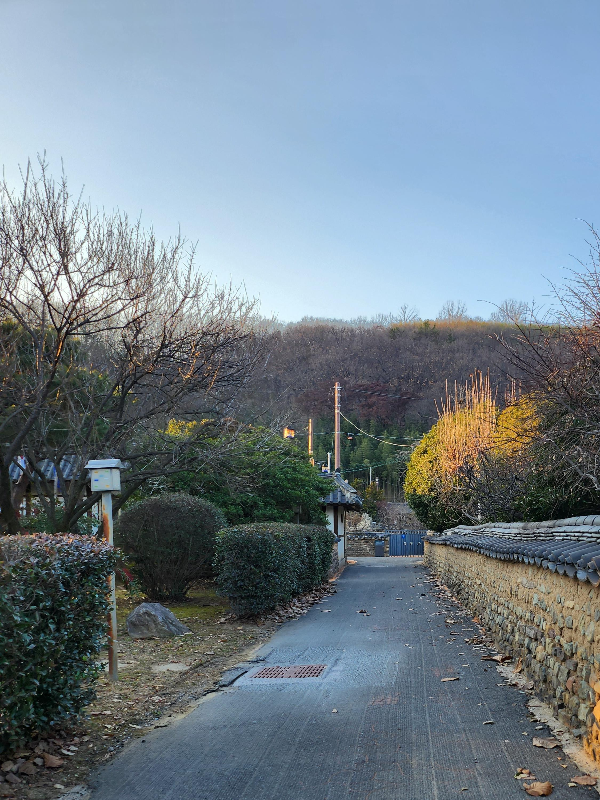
point(153, 621)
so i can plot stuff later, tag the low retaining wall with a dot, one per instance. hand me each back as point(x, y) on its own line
point(549, 620)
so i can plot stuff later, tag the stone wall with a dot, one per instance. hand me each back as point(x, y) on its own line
point(550, 621)
point(361, 545)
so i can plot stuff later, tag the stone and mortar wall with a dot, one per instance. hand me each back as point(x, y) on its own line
point(360, 545)
point(550, 621)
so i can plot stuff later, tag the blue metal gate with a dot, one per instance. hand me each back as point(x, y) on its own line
point(406, 543)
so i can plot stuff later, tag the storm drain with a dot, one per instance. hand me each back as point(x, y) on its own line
point(301, 671)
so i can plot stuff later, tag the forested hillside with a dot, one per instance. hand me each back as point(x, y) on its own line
point(393, 378)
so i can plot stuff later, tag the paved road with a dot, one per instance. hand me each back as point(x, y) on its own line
point(398, 731)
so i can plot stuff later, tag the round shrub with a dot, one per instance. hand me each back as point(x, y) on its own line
point(170, 540)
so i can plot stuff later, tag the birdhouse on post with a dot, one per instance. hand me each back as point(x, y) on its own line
point(105, 474)
point(105, 477)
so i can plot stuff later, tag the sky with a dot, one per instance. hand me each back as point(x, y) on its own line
point(337, 158)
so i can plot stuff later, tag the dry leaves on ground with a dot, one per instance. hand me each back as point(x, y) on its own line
point(584, 780)
point(547, 744)
point(523, 772)
point(499, 659)
point(538, 789)
point(518, 666)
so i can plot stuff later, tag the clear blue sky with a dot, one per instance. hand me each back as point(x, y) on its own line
point(338, 157)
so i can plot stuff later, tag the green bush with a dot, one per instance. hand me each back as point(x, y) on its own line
point(262, 565)
point(170, 540)
point(53, 609)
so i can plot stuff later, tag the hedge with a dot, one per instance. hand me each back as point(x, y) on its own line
point(263, 565)
point(53, 608)
point(170, 540)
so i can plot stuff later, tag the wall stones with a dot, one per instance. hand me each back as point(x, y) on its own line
point(361, 546)
point(548, 620)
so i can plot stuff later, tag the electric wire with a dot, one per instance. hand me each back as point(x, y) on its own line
point(393, 444)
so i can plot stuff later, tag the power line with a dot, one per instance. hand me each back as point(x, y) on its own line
point(366, 467)
point(393, 444)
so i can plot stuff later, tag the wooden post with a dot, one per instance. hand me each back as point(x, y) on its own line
point(310, 442)
point(107, 530)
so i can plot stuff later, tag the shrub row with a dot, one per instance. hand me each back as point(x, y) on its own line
point(260, 566)
point(53, 608)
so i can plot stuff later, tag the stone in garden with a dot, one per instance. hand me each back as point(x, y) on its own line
point(153, 621)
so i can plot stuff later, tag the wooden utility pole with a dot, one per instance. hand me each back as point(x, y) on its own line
point(310, 442)
point(337, 461)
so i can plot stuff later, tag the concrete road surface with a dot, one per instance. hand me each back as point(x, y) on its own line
point(377, 724)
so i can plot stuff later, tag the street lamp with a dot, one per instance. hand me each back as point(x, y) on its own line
point(105, 477)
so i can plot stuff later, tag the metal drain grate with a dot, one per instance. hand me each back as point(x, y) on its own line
point(303, 671)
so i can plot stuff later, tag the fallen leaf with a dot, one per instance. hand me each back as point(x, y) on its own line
point(499, 659)
point(522, 772)
point(325, 610)
point(52, 762)
point(538, 789)
point(518, 665)
point(27, 769)
point(489, 722)
point(548, 744)
point(445, 680)
point(334, 710)
point(584, 780)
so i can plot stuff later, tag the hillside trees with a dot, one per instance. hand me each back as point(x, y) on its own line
point(105, 333)
point(408, 363)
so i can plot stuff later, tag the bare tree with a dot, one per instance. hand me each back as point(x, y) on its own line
point(106, 334)
point(511, 311)
point(559, 357)
point(453, 311)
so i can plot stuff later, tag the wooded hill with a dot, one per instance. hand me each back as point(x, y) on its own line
point(393, 378)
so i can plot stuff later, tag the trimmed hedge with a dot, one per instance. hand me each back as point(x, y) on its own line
point(262, 565)
point(170, 539)
point(53, 605)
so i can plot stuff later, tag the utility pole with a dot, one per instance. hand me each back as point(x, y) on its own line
point(337, 462)
point(310, 442)
point(328, 462)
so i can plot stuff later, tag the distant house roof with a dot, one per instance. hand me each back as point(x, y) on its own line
point(68, 466)
point(342, 493)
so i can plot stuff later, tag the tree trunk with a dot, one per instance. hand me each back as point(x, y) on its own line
point(7, 512)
